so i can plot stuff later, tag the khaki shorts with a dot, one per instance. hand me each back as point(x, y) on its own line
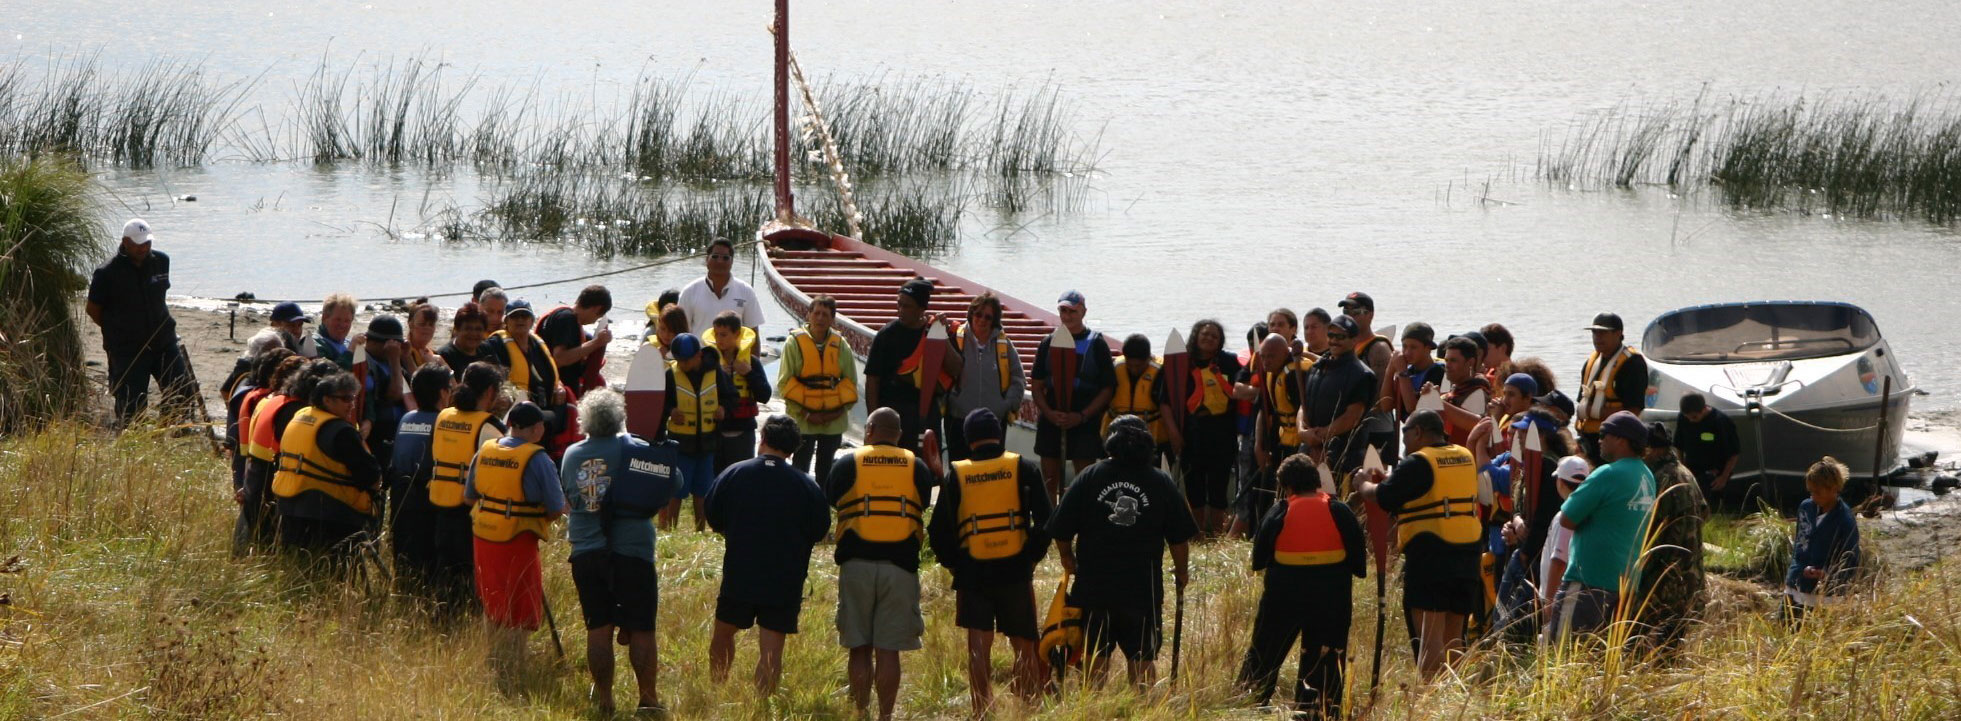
point(878, 606)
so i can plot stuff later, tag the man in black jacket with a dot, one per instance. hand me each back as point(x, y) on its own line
point(126, 298)
point(992, 549)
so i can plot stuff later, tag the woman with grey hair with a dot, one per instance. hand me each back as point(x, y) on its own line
point(614, 483)
point(326, 483)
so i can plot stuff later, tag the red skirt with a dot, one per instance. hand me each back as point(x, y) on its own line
point(511, 582)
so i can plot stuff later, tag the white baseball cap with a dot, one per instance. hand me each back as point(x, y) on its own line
point(1573, 469)
point(137, 230)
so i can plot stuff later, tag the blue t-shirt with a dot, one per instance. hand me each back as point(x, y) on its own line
point(540, 479)
point(589, 469)
point(1609, 512)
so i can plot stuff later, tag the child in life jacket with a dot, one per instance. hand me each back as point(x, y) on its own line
point(1308, 546)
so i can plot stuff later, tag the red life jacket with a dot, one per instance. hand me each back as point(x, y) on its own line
point(1309, 536)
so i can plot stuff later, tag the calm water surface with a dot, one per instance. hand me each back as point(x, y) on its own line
point(1264, 154)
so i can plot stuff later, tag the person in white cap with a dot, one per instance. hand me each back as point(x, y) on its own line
point(126, 298)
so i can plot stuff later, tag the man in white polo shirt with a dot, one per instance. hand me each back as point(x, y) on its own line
point(708, 296)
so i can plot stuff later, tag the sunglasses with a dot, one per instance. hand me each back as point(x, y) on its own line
point(1355, 312)
point(1332, 335)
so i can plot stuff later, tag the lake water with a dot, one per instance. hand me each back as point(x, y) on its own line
point(1257, 154)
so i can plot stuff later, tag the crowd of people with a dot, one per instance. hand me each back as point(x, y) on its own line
point(1519, 511)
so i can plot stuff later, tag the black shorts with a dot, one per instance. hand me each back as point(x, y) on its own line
point(740, 614)
point(1448, 595)
point(1084, 442)
point(1136, 632)
point(1007, 608)
point(616, 590)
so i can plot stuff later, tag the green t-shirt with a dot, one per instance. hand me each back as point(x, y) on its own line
point(1608, 512)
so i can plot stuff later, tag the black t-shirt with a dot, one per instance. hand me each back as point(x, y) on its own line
point(1425, 556)
point(1707, 445)
point(134, 314)
point(1096, 372)
point(890, 348)
point(1631, 384)
point(770, 515)
point(458, 360)
point(1334, 385)
point(1120, 517)
point(560, 329)
point(904, 554)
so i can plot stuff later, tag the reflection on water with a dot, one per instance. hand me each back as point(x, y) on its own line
point(1258, 155)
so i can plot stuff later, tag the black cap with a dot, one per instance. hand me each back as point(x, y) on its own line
point(1359, 299)
point(1658, 436)
point(385, 327)
point(918, 289)
point(981, 425)
point(1607, 321)
point(524, 415)
point(1346, 325)
point(1422, 332)
point(1556, 400)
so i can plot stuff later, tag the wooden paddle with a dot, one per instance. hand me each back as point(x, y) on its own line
point(1378, 533)
point(646, 391)
point(930, 360)
point(1176, 371)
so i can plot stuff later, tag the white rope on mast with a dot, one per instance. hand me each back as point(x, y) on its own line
point(813, 124)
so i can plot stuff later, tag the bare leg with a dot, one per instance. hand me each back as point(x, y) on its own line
point(700, 514)
point(888, 683)
point(599, 658)
point(1142, 673)
point(669, 514)
point(859, 674)
point(1029, 669)
point(769, 660)
point(980, 690)
point(1052, 475)
point(644, 652)
point(721, 651)
point(1442, 638)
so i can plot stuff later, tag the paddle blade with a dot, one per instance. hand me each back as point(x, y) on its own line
point(1327, 477)
point(929, 367)
point(646, 391)
point(1062, 369)
point(1475, 402)
point(361, 375)
point(1430, 401)
point(1177, 374)
point(1378, 531)
point(929, 451)
point(1533, 441)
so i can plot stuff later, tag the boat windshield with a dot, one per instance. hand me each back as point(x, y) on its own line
point(1759, 332)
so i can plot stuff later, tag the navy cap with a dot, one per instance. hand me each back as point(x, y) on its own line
point(519, 307)
point(1071, 297)
point(684, 346)
point(1625, 425)
point(288, 312)
point(524, 415)
point(981, 425)
point(1523, 383)
point(1556, 400)
point(385, 327)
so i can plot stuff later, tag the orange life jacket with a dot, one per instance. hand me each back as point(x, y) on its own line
point(1309, 536)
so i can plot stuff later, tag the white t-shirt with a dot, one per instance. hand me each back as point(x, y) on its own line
point(1558, 540)
point(702, 305)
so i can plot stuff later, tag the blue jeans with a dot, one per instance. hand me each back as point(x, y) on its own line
point(129, 381)
point(697, 475)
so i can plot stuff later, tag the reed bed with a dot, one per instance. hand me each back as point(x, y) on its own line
point(1863, 156)
point(49, 241)
point(124, 601)
point(166, 112)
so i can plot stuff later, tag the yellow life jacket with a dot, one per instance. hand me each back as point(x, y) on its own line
point(745, 352)
point(304, 466)
point(452, 445)
point(1062, 630)
point(1003, 355)
point(883, 505)
point(1212, 394)
point(1136, 398)
point(819, 384)
point(993, 524)
point(1598, 399)
point(1283, 408)
point(1449, 510)
point(521, 372)
point(1309, 537)
point(694, 405)
point(502, 511)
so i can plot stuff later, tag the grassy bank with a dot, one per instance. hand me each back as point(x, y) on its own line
point(1863, 156)
point(125, 603)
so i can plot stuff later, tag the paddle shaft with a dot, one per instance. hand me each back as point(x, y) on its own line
point(552, 622)
point(1177, 633)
